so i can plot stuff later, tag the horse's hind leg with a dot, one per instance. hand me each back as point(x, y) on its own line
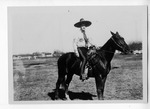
point(67, 82)
point(59, 81)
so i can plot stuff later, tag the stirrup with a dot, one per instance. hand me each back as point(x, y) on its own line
point(89, 67)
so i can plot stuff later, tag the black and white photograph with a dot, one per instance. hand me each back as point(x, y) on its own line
point(77, 53)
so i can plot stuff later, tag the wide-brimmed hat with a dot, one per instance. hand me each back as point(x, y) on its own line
point(82, 22)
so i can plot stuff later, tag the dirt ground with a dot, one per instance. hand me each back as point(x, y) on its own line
point(35, 80)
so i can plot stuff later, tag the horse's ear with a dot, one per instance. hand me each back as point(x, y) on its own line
point(112, 33)
point(117, 33)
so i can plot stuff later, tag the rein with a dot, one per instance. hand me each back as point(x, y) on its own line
point(108, 51)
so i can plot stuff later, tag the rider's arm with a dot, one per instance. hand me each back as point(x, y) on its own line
point(85, 39)
point(90, 42)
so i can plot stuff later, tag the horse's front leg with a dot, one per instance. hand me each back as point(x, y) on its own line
point(99, 87)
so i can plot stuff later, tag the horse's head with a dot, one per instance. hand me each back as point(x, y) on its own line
point(120, 43)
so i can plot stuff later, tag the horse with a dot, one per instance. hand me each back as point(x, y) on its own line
point(69, 64)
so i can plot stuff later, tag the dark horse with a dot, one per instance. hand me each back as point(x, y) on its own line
point(69, 64)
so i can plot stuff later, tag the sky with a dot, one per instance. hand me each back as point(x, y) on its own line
point(45, 29)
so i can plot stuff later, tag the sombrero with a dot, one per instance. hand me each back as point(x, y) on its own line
point(82, 22)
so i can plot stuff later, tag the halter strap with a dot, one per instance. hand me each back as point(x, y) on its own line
point(116, 43)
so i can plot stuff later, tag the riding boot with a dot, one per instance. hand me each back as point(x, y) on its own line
point(84, 75)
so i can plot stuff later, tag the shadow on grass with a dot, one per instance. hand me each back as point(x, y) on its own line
point(72, 95)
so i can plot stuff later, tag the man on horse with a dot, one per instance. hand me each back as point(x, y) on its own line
point(83, 45)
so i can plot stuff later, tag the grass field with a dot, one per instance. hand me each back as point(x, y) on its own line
point(35, 80)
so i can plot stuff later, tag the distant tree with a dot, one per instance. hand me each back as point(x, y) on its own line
point(36, 53)
point(135, 45)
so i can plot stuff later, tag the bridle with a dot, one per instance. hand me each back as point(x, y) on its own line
point(117, 43)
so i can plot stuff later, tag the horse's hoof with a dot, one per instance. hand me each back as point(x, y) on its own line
point(100, 98)
point(66, 97)
point(56, 97)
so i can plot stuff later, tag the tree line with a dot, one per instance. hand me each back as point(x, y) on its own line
point(135, 46)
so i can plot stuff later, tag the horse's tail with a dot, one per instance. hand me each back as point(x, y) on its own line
point(64, 63)
point(61, 63)
point(61, 73)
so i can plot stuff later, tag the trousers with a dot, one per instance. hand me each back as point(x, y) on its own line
point(83, 57)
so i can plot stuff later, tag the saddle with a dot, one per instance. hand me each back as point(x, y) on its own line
point(92, 56)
